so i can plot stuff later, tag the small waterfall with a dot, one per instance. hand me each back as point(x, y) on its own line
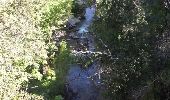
point(90, 11)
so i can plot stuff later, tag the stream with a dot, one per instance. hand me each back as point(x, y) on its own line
point(84, 83)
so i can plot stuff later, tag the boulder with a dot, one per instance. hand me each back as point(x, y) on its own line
point(80, 2)
point(72, 21)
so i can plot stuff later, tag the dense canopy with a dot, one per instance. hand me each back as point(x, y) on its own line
point(44, 42)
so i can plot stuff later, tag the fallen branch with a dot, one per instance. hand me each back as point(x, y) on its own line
point(91, 53)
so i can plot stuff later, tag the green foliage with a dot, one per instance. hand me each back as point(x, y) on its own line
point(21, 45)
point(62, 61)
point(55, 15)
point(58, 98)
point(26, 46)
point(77, 9)
point(90, 2)
point(51, 82)
point(129, 29)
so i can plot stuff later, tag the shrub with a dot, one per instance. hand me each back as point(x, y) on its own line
point(129, 29)
point(25, 28)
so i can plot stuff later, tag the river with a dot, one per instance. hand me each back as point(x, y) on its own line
point(84, 83)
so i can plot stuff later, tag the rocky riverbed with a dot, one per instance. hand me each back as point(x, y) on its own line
point(83, 83)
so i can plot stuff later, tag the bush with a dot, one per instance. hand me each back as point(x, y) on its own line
point(129, 29)
point(25, 28)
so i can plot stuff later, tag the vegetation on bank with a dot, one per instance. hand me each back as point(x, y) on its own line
point(29, 66)
point(136, 34)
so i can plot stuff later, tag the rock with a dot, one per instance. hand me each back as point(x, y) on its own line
point(73, 36)
point(72, 21)
point(58, 34)
point(80, 2)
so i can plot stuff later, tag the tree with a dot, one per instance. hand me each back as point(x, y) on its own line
point(130, 29)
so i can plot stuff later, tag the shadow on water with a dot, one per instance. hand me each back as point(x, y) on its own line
point(83, 84)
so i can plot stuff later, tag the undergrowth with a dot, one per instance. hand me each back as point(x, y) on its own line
point(26, 49)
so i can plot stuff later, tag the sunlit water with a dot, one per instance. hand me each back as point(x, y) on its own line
point(84, 84)
point(89, 18)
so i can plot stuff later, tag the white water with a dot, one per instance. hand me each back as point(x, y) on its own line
point(88, 20)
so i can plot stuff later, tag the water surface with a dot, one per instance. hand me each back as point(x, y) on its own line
point(84, 83)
